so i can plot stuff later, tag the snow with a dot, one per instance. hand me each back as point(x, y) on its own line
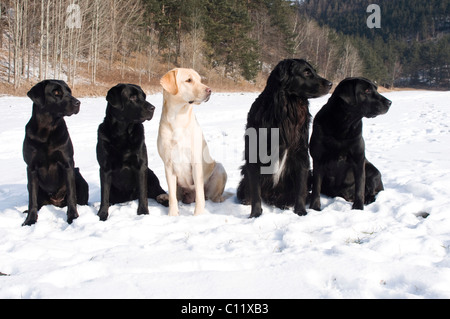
point(388, 251)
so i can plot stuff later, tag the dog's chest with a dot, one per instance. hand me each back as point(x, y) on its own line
point(51, 177)
point(182, 157)
point(126, 154)
point(180, 147)
point(279, 168)
point(54, 150)
point(183, 141)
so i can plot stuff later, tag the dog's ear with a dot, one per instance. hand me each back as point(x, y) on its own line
point(37, 93)
point(347, 91)
point(169, 82)
point(114, 96)
point(281, 72)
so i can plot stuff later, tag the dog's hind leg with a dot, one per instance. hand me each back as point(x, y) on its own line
point(155, 190)
point(215, 185)
point(374, 183)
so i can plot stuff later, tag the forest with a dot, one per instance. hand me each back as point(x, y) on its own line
point(412, 47)
point(234, 44)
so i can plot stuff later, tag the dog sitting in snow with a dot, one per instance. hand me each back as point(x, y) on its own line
point(122, 153)
point(192, 175)
point(283, 106)
point(337, 145)
point(48, 152)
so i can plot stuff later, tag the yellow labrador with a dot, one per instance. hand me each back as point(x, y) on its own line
point(192, 175)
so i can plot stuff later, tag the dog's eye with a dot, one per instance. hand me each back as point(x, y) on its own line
point(57, 93)
point(189, 81)
point(307, 73)
point(133, 98)
point(368, 91)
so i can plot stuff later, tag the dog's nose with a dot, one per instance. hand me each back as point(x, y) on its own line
point(76, 103)
point(388, 103)
point(208, 90)
point(329, 84)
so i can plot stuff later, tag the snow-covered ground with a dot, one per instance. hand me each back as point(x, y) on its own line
point(387, 251)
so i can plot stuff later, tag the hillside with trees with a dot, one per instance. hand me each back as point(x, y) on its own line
point(412, 47)
point(234, 44)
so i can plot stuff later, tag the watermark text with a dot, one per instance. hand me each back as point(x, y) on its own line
point(374, 20)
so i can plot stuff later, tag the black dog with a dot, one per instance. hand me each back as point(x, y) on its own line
point(338, 148)
point(122, 153)
point(48, 152)
point(282, 108)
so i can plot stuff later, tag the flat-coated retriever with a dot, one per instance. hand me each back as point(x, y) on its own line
point(337, 145)
point(278, 123)
point(122, 153)
point(48, 152)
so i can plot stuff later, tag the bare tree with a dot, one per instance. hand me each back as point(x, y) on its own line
point(41, 44)
point(350, 63)
point(192, 44)
point(17, 31)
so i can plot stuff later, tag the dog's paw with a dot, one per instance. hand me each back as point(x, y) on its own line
point(143, 210)
point(358, 206)
point(256, 212)
point(174, 213)
point(163, 199)
point(31, 218)
point(199, 212)
point(315, 205)
point(103, 214)
point(301, 212)
point(71, 216)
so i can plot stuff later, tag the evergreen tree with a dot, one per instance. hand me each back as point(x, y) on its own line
point(227, 28)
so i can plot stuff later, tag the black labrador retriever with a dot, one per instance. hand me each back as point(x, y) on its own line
point(277, 134)
point(122, 153)
point(337, 145)
point(48, 152)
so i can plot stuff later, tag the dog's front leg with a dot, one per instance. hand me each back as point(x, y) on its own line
point(360, 183)
point(172, 184)
point(300, 202)
point(143, 190)
point(254, 176)
point(33, 206)
point(316, 187)
point(71, 195)
point(105, 186)
point(197, 171)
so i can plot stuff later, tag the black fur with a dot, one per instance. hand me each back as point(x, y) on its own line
point(122, 153)
point(284, 105)
point(338, 148)
point(48, 152)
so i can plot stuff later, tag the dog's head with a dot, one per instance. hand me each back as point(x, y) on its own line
point(362, 96)
point(55, 98)
point(186, 85)
point(298, 78)
point(128, 104)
